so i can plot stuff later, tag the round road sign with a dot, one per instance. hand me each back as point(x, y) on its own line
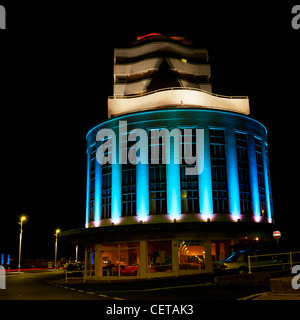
point(276, 235)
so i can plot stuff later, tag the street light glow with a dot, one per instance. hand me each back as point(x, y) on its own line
point(57, 231)
point(20, 244)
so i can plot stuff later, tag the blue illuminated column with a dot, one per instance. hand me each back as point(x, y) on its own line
point(173, 182)
point(232, 174)
point(253, 177)
point(116, 188)
point(267, 187)
point(98, 190)
point(87, 188)
point(142, 191)
point(205, 186)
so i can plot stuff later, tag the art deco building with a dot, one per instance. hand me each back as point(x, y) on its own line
point(152, 218)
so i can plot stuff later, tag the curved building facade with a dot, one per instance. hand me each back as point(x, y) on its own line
point(175, 176)
point(234, 183)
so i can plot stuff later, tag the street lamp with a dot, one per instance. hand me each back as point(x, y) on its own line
point(20, 245)
point(76, 253)
point(56, 233)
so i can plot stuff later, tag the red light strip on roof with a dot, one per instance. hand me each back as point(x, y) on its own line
point(148, 35)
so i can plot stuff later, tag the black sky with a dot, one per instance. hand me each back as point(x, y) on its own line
point(56, 74)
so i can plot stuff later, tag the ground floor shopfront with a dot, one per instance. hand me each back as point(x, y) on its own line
point(154, 258)
point(152, 251)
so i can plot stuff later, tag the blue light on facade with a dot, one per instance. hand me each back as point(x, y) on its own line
point(87, 189)
point(254, 179)
point(205, 184)
point(116, 193)
point(173, 183)
point(202, 119)
point(98, 192)
point(233, 179)
point(142, 191)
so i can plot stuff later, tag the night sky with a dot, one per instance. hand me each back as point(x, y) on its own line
point(57, 71)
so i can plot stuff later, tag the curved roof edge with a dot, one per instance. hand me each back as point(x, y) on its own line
point(181, 96)
point(119, 117)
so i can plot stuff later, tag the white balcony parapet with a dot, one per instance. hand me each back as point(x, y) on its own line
point(177, 97)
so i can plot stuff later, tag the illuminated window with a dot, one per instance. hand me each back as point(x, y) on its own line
point(157, 179)
point(106, 188)
point(128, 181)
point(189, 183)
point(158, 194)
point(191, 254)
point(243, 172)
point(120, 259)
point(128, 190)
point(106, 191)
point(218, 170)
point(159, 256)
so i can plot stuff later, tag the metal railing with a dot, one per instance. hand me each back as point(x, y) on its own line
point(273, 259)
point(79, 275)
point(176, 88)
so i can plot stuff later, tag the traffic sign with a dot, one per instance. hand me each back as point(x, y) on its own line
point(276, 235)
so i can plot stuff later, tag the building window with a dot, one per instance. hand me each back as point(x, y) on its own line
point(218, 170)
point(243, 172)
point(260, 176)
point(189, 191)
point(158, 193)
point(128, 190)
point(106, 187)
point(189, 183)
point(92, 183)
point(106, 191)
point(157, 177)
point(121, 79)
point(159, 256)
point(191, 254)
point(120, 259)
point(128, 181)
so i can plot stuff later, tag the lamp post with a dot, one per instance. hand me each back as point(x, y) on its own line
point(76, 253)
point(20, 245)
point(56, 233)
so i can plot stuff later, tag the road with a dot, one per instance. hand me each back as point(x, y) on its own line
point(44, 286)
point(35, 286)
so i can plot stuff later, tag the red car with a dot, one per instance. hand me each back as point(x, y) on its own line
point(130, 271)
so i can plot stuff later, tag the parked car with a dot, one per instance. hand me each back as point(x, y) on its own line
point(130, 271)
point(113, 270)
point(237, 262)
